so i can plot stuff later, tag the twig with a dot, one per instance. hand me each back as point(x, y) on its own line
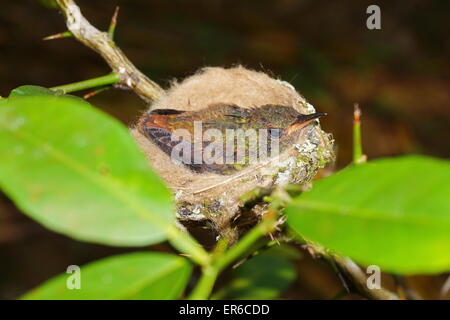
point(95, 92)
point(102, 44)
point(210, 272)
point(354, 273)
point(61, 35)
point(112, 26)
point(88, 84)
point(359, 279)
point(445, 289)
point(340, 275)
point(404, 290)
point(358, 156)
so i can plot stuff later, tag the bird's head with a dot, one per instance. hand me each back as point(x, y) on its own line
point(282, 121)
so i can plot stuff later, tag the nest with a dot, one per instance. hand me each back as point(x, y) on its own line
point(217, 200)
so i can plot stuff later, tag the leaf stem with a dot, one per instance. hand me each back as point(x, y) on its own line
point(358, 156)
point(210, 272)
point(101, 42)
point(206, 283)
point(61, 35)
point(88, 84)
point(112, 26)
point(264, 227)
point(184, 242)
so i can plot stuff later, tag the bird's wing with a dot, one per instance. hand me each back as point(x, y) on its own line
point(154, 126)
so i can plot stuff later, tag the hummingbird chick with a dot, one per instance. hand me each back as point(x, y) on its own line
point(221, 134)
point(224, 138)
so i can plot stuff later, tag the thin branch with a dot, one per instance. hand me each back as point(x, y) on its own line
point(358, 156)
point(112, 26)
point(353, 272)
point(109, 79)
point(185, 243)
point(445, 289)
point(210, 272)
point(404, 290)
point(95, 92)
point(359, 279)
point(61, 35)
point(102, 44)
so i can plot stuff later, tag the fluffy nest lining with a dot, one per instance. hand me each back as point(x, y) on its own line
point(217, 198)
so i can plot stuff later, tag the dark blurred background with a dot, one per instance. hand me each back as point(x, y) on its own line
point(399, 75)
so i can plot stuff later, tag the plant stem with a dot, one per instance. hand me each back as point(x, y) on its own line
point(184, 242)
point(359, 279)
point(358, 156)
point(206, 283)
point(112, 26)
point(88, 84)
point(210, 272)
point(61, 35)
point(261, 229)
point(95, 92)
point(101, 42)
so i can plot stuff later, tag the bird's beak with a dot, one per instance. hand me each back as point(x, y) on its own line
point(303, 120)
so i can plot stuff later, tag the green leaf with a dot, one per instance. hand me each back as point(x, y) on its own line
point(79, 172)
point(36, 91)
point(27, 90)
point(394, 213)
point(128, 276)
point(33, 91)
point(263, 277)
